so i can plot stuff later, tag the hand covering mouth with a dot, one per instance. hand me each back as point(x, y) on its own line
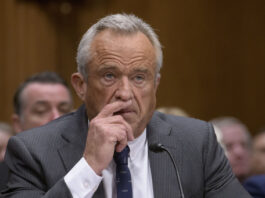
point(122, 111)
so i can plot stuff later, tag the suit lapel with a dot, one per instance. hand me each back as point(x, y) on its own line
point(162, 169)
point(75, 138)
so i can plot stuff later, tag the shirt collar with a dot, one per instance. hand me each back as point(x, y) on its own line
point(137, 145)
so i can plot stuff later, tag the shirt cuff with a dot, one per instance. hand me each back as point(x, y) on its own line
point(82, 180)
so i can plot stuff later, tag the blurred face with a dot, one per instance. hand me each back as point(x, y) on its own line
point(258, 162)
point(123, 67)
point(238, 151)
point(4, 137)
point(41, 103)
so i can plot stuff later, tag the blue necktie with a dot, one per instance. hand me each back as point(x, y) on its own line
point(123, 175)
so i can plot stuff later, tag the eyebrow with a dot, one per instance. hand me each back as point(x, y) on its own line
point(45, 103)
point(140, 69)
point(106, 67)
point(41, 102)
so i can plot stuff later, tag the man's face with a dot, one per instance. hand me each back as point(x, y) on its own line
point(123, 67)
point(41, 103)
point(238, 151)
point(258, 162)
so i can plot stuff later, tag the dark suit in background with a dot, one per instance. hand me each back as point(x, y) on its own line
point(41, 157)
point(3, 175)
point(255, 185)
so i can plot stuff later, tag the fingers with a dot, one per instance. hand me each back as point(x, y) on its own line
point(102, 139)
point(118, 119)
point(108, 132)
point(111, 108)
point(129, 130)
point(121, 138)
point(120, 146)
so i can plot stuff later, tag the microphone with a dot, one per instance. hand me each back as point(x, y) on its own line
point(158, 147)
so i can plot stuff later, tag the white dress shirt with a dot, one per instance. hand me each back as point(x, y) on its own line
point(82, 181)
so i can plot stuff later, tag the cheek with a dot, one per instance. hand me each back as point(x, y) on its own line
point(33, 121)
point(147, 98)
point(96, 99)
point(149, 92)
point(99, 95)
point(39, 120)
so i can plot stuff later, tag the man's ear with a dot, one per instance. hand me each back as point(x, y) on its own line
point(157, 81)
point(16, 123)
point(79, 84)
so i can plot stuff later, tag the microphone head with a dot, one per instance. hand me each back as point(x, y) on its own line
point(156, 147)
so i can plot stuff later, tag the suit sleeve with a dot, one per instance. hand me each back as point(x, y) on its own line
point(26, 179)
point(220, 182)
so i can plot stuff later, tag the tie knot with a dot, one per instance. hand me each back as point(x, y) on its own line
point(122, 157)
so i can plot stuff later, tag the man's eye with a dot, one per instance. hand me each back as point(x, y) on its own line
point(139, 78)
point(64, 109)
point(40, 111)
point(109, 76)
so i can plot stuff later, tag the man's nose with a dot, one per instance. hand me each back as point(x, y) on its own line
point(124, 90)
point(239, 150)
point(55, 114)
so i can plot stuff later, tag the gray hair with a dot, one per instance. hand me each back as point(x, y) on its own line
point(226, 121)
point(120, 23)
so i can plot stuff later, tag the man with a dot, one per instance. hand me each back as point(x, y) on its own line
point(119, 59)
point(5, 133)
point(39, 99)
point(258, 154)
point(237, 143)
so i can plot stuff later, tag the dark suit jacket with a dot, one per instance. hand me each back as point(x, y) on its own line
point(255, 185)
point(3, 175)
point(40, 158)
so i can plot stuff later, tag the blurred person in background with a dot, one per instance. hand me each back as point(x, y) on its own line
point(236, 139)
point(255, 184)
point(39, 99)
point(258, 154)
point(219, 137)
point(5, 133)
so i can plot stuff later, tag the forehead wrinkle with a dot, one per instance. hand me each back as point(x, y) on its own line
point(140, 57)
point(113, 57)
point(107, 56)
